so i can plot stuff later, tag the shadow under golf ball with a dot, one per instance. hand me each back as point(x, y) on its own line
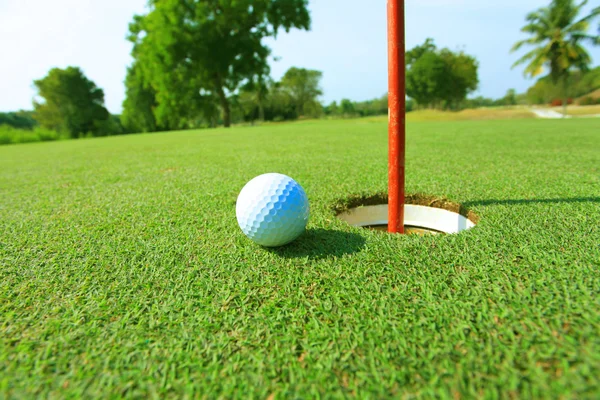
point(321, 243)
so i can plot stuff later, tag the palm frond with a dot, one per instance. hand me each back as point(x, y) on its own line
point(536, 67)
point(535, 28)
point(534, 15)
point(580, 26)
point(524, 42)
point(582, 37)
point(531, 55)
point(559, 35)
point(582, 56)
point(588, 18)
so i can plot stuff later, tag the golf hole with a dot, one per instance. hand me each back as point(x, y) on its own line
point(429, 216)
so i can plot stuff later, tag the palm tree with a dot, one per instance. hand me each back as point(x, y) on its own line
point(558, 35)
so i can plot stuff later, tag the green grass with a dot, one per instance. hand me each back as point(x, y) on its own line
point(475, 114)
point(123, 272)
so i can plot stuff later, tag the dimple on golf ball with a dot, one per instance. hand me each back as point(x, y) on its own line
point(272, 210)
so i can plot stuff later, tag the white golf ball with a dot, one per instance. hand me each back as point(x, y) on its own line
point(272, 210)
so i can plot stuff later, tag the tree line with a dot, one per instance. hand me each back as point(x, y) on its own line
point(203, 64)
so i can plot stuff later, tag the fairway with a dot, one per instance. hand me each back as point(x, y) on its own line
point(123, 271)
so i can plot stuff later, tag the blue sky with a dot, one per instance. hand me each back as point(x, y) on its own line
point(347, 42)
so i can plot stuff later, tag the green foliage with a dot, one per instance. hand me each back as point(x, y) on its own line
point(425, 79)
point(544, 91)
point(589, 101)
point(586, 82)
point(439, 78)
point(244, 107)
point(303, 86)
point(268, 101)
point(196, 54)
point(348, 108)
point(410, 105)
point(139, 103)
point(125, 276)
point(279, 106)
point(461, 78)
point(20, 119)
point(295, 96)
point(511, 98)
point(71, 104)
point(113, 126)
point(253, 98)
point(416, 53)
point(12, 135)
point(375, 106)
point(557, 34)
point(478, 102)
point(331, 109)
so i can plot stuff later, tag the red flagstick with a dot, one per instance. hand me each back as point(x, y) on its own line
point(397, 115)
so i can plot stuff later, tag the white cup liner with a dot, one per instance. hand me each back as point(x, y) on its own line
point(432, 218)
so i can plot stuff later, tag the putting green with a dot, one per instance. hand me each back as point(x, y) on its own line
point(123, 272)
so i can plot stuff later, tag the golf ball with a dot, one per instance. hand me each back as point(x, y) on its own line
point(272, 210)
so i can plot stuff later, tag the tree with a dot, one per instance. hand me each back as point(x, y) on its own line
point(331, 109)
point(139, 103)
point(558, 35)
point(425, 78)
point(510, 99)
point(196, 52)
point(302, 85)
point(347, 108)
point(439, 78)
point(279, 106)
point(417, 52)
point(460, 77)
point(425, 73)
point(256, 92)
point(71, 103)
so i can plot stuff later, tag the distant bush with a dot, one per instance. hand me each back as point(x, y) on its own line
point(11, 135)
point(589, 101)
point(368, 108)
point(580, 84)
point(20, 119)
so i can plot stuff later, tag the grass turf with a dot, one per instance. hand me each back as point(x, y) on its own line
point(472, 114)
point(583, 110)
point(123, 271)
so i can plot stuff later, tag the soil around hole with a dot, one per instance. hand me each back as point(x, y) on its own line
point(408, 230)
point(418, 199)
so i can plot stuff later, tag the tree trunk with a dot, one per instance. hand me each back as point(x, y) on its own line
point(224, 105)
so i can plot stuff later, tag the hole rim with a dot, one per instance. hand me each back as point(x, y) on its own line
point(430, 213)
